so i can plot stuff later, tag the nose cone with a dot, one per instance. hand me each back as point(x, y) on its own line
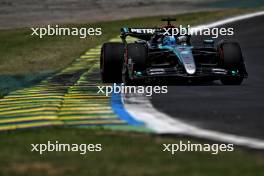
point(190, 68)
point(188, 60)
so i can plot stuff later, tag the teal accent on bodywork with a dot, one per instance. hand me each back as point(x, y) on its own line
point(125, 29)
point(184, 55)
point(175, 49)
point(234, 73)
point(138, 73)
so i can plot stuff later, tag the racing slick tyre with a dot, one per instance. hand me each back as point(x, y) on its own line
point(231, 58)
point(111, 62)
point(138, 54)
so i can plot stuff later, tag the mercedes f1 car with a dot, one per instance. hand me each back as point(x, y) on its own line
point(155, 55)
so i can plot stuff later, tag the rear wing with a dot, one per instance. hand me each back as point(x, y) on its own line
point(140, 33)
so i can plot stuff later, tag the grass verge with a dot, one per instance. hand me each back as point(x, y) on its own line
point(123, 153)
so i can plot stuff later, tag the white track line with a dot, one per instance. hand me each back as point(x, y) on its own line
point(227, 21)
point(141, 109)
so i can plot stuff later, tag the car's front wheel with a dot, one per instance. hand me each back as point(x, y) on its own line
point(230, 56)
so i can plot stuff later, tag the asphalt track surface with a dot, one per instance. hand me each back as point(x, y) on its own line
point(235, 110)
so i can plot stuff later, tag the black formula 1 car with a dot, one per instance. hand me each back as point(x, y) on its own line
point(155, 55)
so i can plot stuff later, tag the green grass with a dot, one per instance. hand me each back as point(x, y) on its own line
point(128, 154)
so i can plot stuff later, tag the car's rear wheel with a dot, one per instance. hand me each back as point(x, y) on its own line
point(111, 62)
point(138, 54)
point(230, 56)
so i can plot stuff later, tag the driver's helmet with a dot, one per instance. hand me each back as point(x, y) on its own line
point(169, 41)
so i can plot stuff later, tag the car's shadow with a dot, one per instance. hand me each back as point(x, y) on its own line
point(183, 82)
point(9, 83)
